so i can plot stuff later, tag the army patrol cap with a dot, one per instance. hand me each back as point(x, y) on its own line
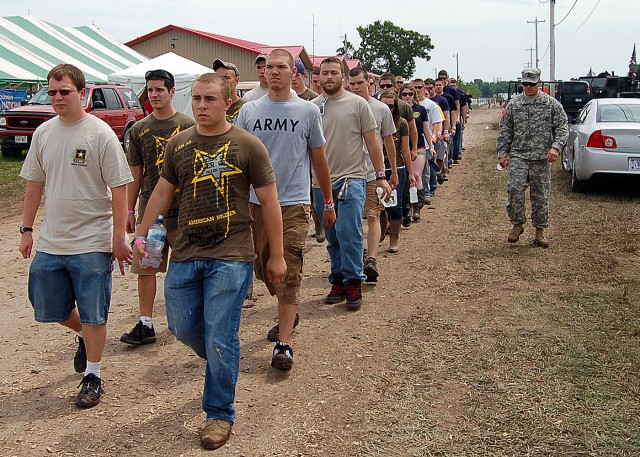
point(228, 65)
point(530, 75)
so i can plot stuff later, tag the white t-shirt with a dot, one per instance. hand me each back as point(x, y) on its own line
point(255, 93)
point(435, 115)
point(79, 163)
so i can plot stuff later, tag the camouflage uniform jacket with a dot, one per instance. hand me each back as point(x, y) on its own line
point(530, 127)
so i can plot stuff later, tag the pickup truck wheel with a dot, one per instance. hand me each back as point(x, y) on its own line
point(126, 139)
point(14, 151)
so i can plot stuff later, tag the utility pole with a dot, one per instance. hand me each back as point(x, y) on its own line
point(536, 22)
point(457, 70)
point(552, 41)
point(531, 57)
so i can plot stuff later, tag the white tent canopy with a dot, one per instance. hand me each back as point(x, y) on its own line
point(184, 71)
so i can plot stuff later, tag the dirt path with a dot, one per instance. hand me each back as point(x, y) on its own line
point(467, 346)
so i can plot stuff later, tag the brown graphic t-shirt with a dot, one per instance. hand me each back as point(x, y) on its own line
point(232, 112)
point(403, 130)
point(148, 140)
point(214, 174)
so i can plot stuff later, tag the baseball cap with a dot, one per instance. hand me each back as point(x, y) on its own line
point(530, 75)
point(228, 65)
point(300, 67)
point(261, 57)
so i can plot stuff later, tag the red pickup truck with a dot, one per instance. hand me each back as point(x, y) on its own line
point(117, 105)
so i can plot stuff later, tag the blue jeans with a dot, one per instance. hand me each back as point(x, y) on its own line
point(58, 282)
point(395, 212)
point(345, 242)
point(204, 302)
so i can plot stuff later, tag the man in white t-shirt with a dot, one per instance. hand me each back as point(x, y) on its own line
point(78, 161)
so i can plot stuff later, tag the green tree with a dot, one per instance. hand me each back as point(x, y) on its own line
point(346, 49)
point(387, 47)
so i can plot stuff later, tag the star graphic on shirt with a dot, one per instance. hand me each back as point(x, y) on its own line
point(215, 167)
point(161, 145)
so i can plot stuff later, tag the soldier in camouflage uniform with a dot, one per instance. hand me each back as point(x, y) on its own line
point(532, 132)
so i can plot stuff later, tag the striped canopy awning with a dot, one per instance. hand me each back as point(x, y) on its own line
point(29, 48)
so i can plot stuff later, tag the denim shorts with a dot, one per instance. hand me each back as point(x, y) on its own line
point(57, 283)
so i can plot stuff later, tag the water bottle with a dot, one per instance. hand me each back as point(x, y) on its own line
point(393, 199)
point(413, 194)
point(156, 237)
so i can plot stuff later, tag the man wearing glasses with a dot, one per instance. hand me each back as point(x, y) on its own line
point(348, 125)
point(77, 160)
point(148, 140)
point(531, 135)
point(389, 82)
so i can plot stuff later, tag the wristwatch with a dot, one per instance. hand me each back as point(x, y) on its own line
point(24, 229)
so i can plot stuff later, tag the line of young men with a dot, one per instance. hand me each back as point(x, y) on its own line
point(219, 171)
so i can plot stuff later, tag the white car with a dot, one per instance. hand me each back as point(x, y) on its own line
point(605, 139)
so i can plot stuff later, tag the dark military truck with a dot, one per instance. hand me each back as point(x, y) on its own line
point(117, 105)
point(573, 95)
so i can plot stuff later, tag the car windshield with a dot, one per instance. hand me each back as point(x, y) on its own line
point(578, 89)
point(598, 83)
point(40, 98)
point(619, 113)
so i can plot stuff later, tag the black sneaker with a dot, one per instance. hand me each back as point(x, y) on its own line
point(406, 221)
point(90, 391)
point(273, 335)
point(336, 295)
point(354, 294)
point(80, 359)
point(282, 356)
point(371, 270)
point(140, 334)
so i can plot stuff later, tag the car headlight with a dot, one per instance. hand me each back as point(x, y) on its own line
point(3, 121)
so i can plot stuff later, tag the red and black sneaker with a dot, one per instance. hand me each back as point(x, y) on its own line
point(336, 295)
point(354, 294)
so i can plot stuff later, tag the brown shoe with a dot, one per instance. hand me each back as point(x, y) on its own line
point(215, 433)
point(539, 240)
point(514, 234)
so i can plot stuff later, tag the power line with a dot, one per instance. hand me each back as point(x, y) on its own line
point(585, 21)
point(570, 9)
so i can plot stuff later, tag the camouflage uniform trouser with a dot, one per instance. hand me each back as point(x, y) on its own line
point(537, 175)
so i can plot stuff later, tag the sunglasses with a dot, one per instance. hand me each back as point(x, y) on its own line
point(418, 87)
point(407, 94)
point(386, 86)
point(324, 102)
point(529, 84)
point(63, 92)
point(158, 74)
point(429, 88)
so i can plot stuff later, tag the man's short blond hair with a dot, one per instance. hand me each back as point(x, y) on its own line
point(213, 78)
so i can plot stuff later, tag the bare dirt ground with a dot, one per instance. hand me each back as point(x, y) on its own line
point(467, 346)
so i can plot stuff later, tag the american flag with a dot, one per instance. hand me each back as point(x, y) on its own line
point(633, 56)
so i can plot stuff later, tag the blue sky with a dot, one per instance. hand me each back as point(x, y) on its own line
point(491, 37)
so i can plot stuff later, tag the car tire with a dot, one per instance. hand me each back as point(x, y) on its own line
point(14, 152)
point(564, 159)
point(576, 184)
